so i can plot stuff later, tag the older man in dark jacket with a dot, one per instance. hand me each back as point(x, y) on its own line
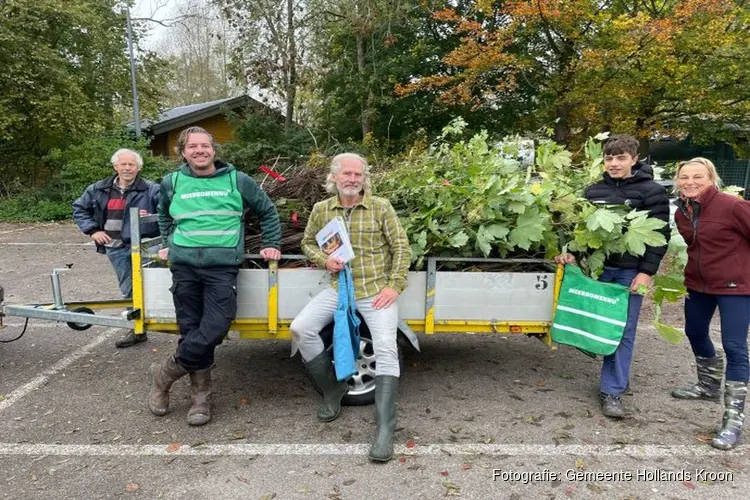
point(628, 182)
point(102, 213)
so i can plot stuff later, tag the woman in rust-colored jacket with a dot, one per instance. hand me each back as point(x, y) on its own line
point(716, 228)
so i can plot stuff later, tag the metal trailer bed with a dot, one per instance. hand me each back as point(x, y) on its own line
point(436, 301)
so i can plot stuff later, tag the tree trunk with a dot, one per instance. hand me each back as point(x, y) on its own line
point(367, 101)
point(291, 87)
point(644, 148)
point(562, 126)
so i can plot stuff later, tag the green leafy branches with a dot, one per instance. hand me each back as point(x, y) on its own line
point(471, 198)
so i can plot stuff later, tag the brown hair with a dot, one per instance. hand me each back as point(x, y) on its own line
point(621, 144)
point(179, 146)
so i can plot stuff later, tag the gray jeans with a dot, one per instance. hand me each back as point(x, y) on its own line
point(382, 323)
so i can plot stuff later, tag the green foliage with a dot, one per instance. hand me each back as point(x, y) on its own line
point(32, 206)
point(669, 285)
point(365, 49)
point(471, 198)
point(260, 138)
point(76, 167)
point(65, 77)
point(89, 161)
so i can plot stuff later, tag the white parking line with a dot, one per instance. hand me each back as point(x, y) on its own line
point(30, 244)
point(514, 450)
point(18, 230)
point(35, 326)
point(40, 379)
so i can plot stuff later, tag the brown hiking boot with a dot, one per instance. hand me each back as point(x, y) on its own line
point(200, 386)
point(162, 377)
point(130, 339)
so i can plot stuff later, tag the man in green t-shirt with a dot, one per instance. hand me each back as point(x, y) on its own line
point(201, 217)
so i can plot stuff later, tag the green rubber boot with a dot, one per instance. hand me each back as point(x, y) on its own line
point(321, 370)
point(386, 392)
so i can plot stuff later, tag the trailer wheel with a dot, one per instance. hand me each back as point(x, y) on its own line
point(362, 384)
point(81, 326)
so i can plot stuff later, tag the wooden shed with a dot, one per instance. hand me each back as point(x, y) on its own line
point(212, 116)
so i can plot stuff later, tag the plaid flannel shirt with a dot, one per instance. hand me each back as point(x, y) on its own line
point(381, 248)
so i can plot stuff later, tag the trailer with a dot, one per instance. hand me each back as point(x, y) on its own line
point(437, 300)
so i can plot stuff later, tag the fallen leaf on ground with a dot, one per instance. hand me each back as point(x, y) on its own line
point(173, 447)
point(444, 473)
point(243, 402)
point(594, 487)
point(452, 488)
point(688, 485)
point(334, 494)
point(131, 487)
point(703, 437)
point(465, 467)
point(410, 443)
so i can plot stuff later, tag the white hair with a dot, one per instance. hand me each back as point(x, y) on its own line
point(330, 184)
point(116, 157)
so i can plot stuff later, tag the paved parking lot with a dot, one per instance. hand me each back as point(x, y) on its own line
point(480, 416)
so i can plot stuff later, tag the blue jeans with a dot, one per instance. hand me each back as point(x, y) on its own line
point(616, 367)
point(120, 260)
point(735, 318)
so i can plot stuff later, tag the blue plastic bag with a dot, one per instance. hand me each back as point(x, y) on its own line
point(345, 328)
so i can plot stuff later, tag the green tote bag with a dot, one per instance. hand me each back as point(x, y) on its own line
point(590, 315)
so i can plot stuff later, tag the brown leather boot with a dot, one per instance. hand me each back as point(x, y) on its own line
point(200, 385)
point(162, 377)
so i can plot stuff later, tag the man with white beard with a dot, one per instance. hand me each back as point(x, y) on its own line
point(379, 272)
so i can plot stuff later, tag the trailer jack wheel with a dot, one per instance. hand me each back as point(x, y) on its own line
point(80, 326)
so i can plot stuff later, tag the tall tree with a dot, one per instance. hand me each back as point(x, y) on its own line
point(676, 66)
point(269, 50)
point(196, 45)
point(65, 76)
point(360, 50)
